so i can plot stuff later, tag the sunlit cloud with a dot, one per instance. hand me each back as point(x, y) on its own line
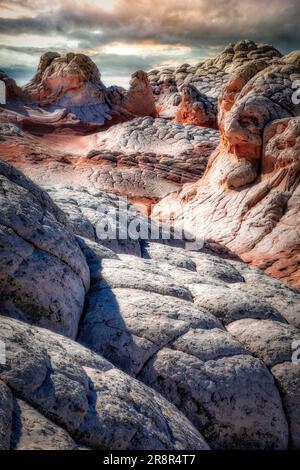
point(144, 49)
point(139, 33)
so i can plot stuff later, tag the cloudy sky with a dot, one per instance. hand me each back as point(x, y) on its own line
point(122, 36)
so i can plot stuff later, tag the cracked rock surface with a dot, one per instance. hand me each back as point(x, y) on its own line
point(144, 159)
point(248, 198)
point(186, 354)
point(272, 342)
point(43, 274)
point(150, 341)
point(208, 77)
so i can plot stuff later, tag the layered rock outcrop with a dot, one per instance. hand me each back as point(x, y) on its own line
point(71, 82)
point(143, 159)
point(67, 90)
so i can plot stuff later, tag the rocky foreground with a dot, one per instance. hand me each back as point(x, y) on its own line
point(138, 343)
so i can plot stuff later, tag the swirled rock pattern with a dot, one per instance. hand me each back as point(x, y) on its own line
point(67, 90)
point(71, 82)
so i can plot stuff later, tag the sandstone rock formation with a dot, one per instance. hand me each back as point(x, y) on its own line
point(154, 314)
point(271, 342)
point(12, 89)
point(144, 159)
point(196, 108)
point(248, 198)
point(43, 273)
point(157, 136)
point(208, 76)
point(115, 277)
point(70, 82)
point(67, 90)
point(81, 399)
point(185, 353)
point(73, 83)
point(139, 100)
point(149, 341)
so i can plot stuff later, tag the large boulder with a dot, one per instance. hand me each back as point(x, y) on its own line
point(71, 82)
point(287, 376)
point(139, 99)
point(11, 88)
point(196, 108)
point(59, 76)
point(249, 195)
point(6, 408)
point(33, 431)
point(67, 397)
point(43, 273)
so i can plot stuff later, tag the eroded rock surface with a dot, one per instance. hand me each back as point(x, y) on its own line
point(67, 91)
point(144, 159)
point(33, 431)
point(184, 338)
point(248, 198)
point(196, 108)
point(43, 273)
point(287, 376)
point(158, 136)
point(71, 82)
point(201, 347)
point(144, 314)
point(139, 100)
point(11, 88)
point(6, 408)
point(82, 398)
point(208, 76)
point(273, 343)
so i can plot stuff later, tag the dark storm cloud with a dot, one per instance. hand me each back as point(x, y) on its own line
point(171, 21)
point(196, 24)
